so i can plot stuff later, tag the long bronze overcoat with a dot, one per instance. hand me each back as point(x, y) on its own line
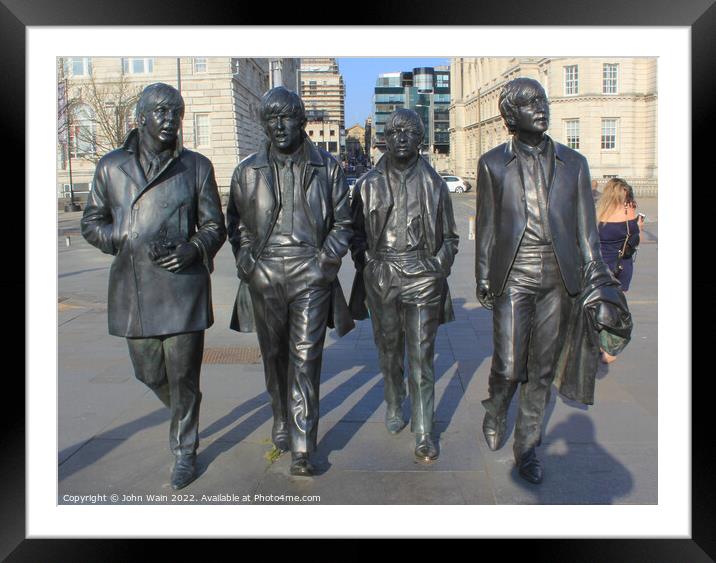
point(125, 214)
point(502, 215)
point(252, 211)
point(372, 205)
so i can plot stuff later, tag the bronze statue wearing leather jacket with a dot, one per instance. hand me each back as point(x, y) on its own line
point(289, 225)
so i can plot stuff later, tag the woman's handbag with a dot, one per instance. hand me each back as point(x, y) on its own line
point(627, 250)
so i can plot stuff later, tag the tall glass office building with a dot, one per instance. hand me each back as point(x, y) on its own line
point(425, 90)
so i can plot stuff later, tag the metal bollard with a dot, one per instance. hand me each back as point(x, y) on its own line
point(68, 242)
point(471, 228)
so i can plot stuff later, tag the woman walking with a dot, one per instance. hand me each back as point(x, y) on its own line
point(619, 228)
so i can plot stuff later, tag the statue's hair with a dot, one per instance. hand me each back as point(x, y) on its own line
point(281, 100)
point(515, 93)
point(156, 94)
point(404, 118)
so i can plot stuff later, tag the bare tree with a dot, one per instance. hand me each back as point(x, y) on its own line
point(99, 114)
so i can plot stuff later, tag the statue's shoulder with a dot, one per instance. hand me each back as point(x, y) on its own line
point(569, 156)
point(497, 154)
point(246, 161)
point(430, 171)
point(114, 158)
point(200, 160)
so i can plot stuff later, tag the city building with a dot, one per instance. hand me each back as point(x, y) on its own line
point(221, 121)
point(355, 142)
point(603, 107)
point(425, 90)
point(324, 94)
point(323, 131)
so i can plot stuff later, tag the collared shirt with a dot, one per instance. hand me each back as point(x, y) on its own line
point(151, 163)
point(404, 229)
point(301, 230)
point(536, 165)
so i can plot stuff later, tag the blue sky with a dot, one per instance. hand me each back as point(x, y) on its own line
point(359, 75)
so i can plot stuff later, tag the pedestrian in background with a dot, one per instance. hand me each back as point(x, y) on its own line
point(619, 228)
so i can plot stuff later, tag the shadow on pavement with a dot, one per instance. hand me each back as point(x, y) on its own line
point(584, 473)
point(107, 443)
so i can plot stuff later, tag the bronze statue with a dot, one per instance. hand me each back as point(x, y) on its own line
point(404, 246)
point(289, 225)
point(156, 208)
point(536, 239)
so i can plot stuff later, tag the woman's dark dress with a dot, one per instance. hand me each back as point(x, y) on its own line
point(611, 237)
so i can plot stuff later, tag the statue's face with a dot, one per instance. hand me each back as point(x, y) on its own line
point(404, 142)
point(284, 132)
point(533, 115)
point(163, 122)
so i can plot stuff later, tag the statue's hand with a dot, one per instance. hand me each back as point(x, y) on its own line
point(484, 295)
point(183, 256)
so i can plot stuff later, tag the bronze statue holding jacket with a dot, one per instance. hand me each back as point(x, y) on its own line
point(536, 237)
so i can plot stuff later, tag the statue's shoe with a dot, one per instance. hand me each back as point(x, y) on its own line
point(300, 465)
point(426, 449)
point(494, 431)
point(394, 420)
point(184, 471)
point(280, 436)
point(530, 468)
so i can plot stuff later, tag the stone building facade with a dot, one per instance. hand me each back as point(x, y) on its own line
point(355, 140)
point(324, 94)
point(221, 95)
point(604, 107)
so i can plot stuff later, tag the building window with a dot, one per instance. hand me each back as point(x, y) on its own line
point(571, 80)
point(571, 133)
point(310, 133)
point(332, 146)
point(609, 134)
point(77, 66)
point(610, 74)
point(138, 66)
point(82, 132)
point(200, 65)
point(333, 133)
point(201, 129)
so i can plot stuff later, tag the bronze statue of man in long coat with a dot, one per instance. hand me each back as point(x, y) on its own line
point(156, 208)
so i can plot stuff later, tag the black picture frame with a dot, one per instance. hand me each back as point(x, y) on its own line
point(700, 16)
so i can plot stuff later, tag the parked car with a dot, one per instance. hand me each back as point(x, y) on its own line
point(456, 184)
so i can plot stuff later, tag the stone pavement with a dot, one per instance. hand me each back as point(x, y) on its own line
point(113, 432)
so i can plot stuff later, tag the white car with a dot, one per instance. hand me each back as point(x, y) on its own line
point(456, 184)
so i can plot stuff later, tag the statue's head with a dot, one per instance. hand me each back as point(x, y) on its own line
point(404, 133)
point(524, 106)
point(160, 110)
point(283, 116)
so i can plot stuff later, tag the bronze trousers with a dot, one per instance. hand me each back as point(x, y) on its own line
point(291, 301)
point(170, 366)
point(405, 312)
point(529, 320)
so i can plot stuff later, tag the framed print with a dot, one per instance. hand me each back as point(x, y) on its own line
point(37, 33)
